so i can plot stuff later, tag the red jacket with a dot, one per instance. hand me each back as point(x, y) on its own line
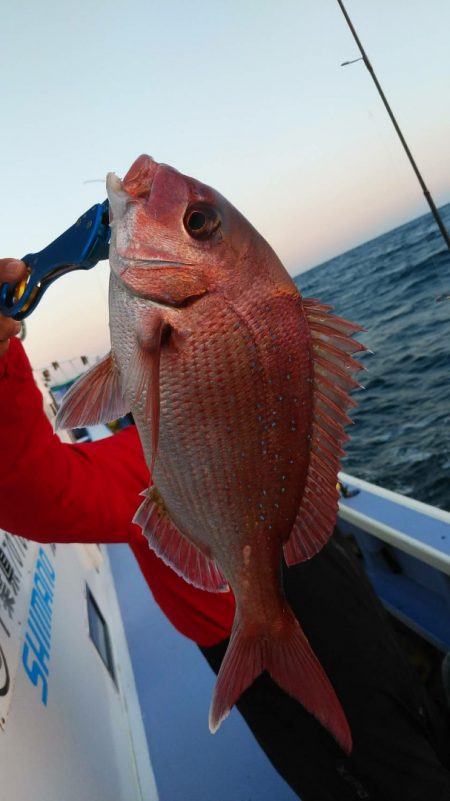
point(89, 492)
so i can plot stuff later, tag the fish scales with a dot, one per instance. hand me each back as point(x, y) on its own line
point(217, 403)
point(238, 388)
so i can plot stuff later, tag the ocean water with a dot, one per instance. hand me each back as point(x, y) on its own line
point(401, 433)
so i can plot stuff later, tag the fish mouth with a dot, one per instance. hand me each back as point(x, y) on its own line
point(134, 262)
point(139, 178)
point(123, 264)
point(143, 263)
point(137, 183)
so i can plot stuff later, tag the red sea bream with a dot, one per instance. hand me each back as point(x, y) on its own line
point(238, 387)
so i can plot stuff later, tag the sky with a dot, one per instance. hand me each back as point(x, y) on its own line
point(246, 95)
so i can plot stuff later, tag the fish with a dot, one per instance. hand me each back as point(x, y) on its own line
point(239, 388)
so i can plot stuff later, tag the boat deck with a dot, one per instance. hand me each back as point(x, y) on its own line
point(175, 684)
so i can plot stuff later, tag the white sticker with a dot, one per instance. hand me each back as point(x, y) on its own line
point(17, 558)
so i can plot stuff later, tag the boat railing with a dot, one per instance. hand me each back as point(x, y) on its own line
point(404, 545)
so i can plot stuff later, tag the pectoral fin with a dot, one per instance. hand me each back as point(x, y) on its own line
point(142, 380)
point(95, 398)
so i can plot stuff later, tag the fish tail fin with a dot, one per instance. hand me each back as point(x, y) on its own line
point(294, 666)
point(244, 660)
point(289, 659)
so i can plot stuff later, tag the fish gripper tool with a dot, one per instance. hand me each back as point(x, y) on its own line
point(79, 248)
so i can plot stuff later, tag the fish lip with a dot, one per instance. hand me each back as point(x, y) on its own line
point(154, 263)
point(121, 263)
point(120, 196)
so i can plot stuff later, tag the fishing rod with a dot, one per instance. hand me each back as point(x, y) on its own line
point(424, 187)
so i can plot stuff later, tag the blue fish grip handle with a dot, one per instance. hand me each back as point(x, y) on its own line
point(79, 248)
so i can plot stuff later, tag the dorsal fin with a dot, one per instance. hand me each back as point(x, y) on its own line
point(332, 347)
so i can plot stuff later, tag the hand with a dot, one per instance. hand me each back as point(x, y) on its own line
point(11, 271)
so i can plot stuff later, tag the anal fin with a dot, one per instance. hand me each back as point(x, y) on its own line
point(185, 558)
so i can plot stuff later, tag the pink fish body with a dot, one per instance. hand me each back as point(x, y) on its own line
point(238, 387)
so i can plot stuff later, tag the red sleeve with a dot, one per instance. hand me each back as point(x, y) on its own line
point(50, 491)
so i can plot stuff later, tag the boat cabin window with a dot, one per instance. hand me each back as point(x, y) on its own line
point(99, 633)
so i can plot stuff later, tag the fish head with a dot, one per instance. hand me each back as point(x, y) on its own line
point(168, 226)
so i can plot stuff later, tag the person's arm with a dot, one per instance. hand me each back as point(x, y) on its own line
point(50, 491)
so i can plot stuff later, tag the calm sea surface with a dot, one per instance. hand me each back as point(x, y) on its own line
point(401, 436)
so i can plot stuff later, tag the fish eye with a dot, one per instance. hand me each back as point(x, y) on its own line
point(201, 220)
